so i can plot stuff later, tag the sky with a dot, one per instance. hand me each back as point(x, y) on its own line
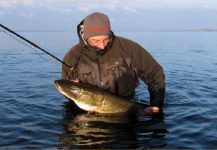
point(43, 15)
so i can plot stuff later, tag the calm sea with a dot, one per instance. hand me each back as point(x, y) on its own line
point(35, 115)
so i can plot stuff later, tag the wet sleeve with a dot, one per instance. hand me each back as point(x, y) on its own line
point(151, 72)
point(67, 73)
point(65, 69)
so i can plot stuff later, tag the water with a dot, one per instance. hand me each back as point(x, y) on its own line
point(35, 115)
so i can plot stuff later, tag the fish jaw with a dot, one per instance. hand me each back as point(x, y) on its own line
point(73, 95)
point(65, 90)
point(85, 106)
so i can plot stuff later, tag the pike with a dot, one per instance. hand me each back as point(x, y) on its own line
point(93, 99)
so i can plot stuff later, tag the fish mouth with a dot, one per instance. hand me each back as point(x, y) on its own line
point(56, 85)
point(64, 90)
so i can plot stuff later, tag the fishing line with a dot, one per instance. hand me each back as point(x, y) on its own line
point(32, 45)
point(22, 42)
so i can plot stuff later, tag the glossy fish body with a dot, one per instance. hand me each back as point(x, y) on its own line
point(91, 98)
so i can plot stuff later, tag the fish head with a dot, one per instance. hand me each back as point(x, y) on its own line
point(68, 88)
point(80, 93)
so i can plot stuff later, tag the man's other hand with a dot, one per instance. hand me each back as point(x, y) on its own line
point(151, 110)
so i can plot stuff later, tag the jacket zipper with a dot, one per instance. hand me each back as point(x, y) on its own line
point(100, 72)
point(115, 81)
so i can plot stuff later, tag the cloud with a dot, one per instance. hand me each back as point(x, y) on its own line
point(130, 9)
point(28, 15)
point(113, 4)
point(66, 6)
point(66, 10)
point(7, 6)
point(58, 12)
point(13, 3)
point(1, 14)
point(83, 9)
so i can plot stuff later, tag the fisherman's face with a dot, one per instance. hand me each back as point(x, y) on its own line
point(100, 41)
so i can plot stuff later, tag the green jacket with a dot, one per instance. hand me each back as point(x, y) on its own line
point(118, 69)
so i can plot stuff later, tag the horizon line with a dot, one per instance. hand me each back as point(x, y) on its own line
point(132, 30)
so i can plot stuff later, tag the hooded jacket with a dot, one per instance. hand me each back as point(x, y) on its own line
point(117, 68)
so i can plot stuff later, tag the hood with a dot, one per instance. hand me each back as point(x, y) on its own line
point(85, 45)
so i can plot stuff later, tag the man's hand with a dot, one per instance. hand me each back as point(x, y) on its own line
point(76, 81)
point(151, 110)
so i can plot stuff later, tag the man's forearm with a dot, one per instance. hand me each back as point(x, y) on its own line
point(157, 97)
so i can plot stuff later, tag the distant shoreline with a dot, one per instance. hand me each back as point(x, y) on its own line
point(132, 30)
point(169, 30)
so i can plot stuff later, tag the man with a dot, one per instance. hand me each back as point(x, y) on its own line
point(113, 63)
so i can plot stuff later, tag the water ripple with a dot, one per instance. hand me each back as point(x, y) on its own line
point(35, 116)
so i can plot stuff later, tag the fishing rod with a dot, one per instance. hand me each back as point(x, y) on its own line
point(36, 46)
